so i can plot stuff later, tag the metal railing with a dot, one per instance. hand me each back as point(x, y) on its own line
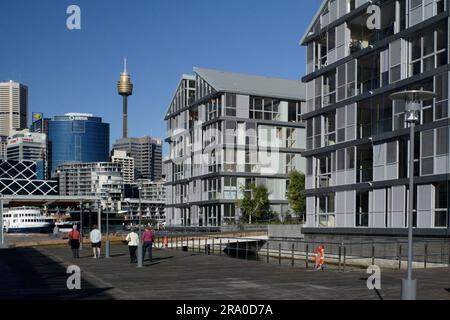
point(299, 253)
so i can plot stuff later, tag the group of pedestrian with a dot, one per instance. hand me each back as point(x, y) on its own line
point(148, 237)
point(95, 236)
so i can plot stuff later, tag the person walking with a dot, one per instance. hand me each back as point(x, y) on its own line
point(96, 241)
point(133, 241)
point(74, 241)
point(56, 232)
point(148, 237)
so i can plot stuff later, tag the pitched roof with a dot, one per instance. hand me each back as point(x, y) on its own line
point(253, 85)
point(313, 21)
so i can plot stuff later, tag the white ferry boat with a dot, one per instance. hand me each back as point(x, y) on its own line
point(25, 220)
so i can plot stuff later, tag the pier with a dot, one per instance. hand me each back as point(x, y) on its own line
point(40, 272)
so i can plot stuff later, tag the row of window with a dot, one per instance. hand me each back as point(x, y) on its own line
point(326, 214)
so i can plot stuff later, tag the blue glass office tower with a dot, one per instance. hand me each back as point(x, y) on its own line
point(77, 137)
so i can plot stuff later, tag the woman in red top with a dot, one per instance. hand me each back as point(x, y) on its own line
point(148, 237)
point(74, 242)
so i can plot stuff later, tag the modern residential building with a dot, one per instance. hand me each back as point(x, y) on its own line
point(77, 137)
point(147, 155)
point(100, 179)
point(127, 163)
point(13, 107)
point(20, 178)
point(154, 195)
point(152, 191)
point(357, 139)
point(26, 145)
point(227, 131)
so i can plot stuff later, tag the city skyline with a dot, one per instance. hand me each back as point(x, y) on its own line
point(68, 58)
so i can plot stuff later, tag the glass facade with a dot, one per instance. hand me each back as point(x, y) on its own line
point(80, 138)
point(357, 149)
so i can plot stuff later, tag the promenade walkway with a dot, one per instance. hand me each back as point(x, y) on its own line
point(30, 273)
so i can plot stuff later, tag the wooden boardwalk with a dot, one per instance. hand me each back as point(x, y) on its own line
point(29, 273)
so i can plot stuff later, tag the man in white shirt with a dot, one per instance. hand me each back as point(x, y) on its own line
point(133, 241)
point(96, 241)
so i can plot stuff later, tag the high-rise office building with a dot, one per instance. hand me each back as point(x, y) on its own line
point(25, 145)
point(13, 107)
point(228, 131)
point(147, 155)
point(127, 163)
point(77, 137)
point(357, 139)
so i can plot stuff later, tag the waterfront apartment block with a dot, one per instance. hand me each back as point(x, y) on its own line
point(100, 179)
point(127, 163)
point(227, 131)
point(357, 147)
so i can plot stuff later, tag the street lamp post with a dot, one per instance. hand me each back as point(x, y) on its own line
point(140, 253)
point(107, 242)
point(413, 100)
point(2, 243)
point(81, 225)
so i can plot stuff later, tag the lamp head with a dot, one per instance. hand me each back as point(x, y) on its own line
point(413, 102)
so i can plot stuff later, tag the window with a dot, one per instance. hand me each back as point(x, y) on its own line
point(309, 166)
point(441, 205)
point(317, 132)
point(340, 124)
point(309, 134)
point(442, 141)
point(395, 53)
point(229, 213)
point(264, 109)
point(290, 163)
point(251, 161)
point(325, 210)
point(441, 89)
point(346, 77)
point(294, 111)
point(331, 39)
point(251, 134)
point(290, 138)
point(230, 105)
point(230, 132)
point(362, 209)
point(350, 164)
point(230, 160)
point(341, 159)
point(330, 128)
point(391, 152)
point(325, 168)
point(230, 188)
point(428, 50)
point(213, 108)
point(427, 152)
point(329, 89)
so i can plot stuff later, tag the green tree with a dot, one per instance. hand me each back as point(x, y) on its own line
point(255, 203)
point(295, 195)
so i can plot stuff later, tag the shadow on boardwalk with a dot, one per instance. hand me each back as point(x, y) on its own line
point(29, 274)
point(177, 275)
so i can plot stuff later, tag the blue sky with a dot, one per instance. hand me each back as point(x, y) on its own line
point(76, 71)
